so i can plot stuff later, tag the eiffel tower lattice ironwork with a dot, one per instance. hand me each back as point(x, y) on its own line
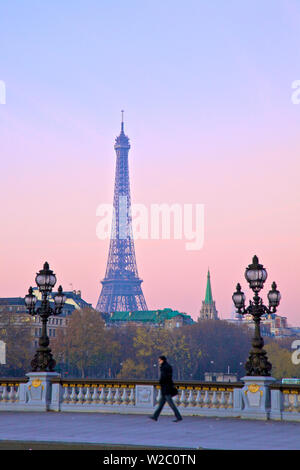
point(121, 287)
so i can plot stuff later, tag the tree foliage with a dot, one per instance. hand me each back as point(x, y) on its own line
point(281, 359)
point(89, 348)
point(85, 344)
point(15, 331)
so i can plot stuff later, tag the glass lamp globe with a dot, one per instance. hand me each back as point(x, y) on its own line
point(45, 279)
point(30, 300)
point(59, 299)
point(274, 296)
point(256, 275)
point(239, 298)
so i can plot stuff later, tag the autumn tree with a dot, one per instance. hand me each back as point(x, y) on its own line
point(281, 360)
point(132, 370)
point(151, 342)
point(85, 345)
point(215, 344)
point(15, 331)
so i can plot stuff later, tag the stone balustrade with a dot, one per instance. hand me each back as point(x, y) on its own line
point(252, 397)
point(10, 393)
point(285, 400)
point(139, 396)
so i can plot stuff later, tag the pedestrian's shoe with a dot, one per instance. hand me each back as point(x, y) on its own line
point(176, 420)
point(153, 417)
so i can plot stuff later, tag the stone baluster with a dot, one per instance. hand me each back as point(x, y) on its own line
point(297, 400)
point(110, 396)
point(132, 397)
point(5, 393)
point(66, 395)
point(222, 400)
point(88, 396)
point(102, 396)
point(73, 396)
point(198, 398)
point(124, 400)
point(206, 400)
point(190, 399)
point(214, 401)
point(11, 393)
point(17, 393)
point(295, 403)
point(182, 398)
point(95, 395)
point(80, 396)
point(230, 400)
point(117, 397)
point(286, 402)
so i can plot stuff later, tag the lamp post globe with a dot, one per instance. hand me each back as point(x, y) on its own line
point(45, 279)
point(256, 275)
point(239, 298)
point(30, 300)
point(59, 300)
point(274, 296)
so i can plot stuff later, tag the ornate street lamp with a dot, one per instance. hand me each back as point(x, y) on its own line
point(45, 280)
point(256, 274)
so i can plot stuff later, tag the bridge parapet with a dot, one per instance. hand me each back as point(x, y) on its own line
point(193, 398)
point(50, 392)
point(285, 400)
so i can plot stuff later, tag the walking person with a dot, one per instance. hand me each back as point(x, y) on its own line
point(167, 390)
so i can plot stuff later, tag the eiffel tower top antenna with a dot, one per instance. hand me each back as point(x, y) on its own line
point(122, 122)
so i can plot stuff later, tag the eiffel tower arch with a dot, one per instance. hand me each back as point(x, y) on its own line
point(121, 287)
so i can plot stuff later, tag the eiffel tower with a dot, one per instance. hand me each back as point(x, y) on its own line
point(121, 287)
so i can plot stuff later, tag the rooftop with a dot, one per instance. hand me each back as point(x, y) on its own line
point(151, 316)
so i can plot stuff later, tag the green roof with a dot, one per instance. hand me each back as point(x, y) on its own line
point(148, 316)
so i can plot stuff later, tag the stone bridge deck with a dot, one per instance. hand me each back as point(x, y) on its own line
point(138, 430)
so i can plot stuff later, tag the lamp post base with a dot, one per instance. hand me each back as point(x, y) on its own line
point(258, 364)
point(43, 361)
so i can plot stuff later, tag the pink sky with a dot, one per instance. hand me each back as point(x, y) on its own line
point(209, 114)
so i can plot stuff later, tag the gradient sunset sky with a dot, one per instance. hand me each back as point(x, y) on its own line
point(206, 87)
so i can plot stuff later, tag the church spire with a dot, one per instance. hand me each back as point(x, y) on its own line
point(208, 310)
point(208, 293)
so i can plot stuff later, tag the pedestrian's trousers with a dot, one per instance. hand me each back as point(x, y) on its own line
point(162, 401)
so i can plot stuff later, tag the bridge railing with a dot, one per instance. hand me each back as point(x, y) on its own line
point(142, 396)
point(10, 391)
point(251, 398)
point(285, 400)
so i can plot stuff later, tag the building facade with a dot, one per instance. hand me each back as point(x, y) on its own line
point(271, 325)
point(15, 307)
